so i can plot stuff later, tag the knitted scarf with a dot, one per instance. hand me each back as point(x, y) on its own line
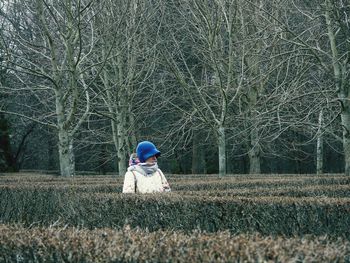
point(147, 169)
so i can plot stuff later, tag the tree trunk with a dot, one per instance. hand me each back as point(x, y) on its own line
point(198, 160)
point(341, 84)
point(254, 152)
point(116, 143)
point(319, 149)
point(103, 159)
point(121, 118)
point(50, 151)
point(132, 141)
point(119, 137)
point(7, 162)
point(115, 103)
point(65, 139)
point(222, 151)
point(345, 119)
point(121, 147)
point(66, 153)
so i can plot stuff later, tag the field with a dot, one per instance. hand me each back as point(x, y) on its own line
point(206, 218)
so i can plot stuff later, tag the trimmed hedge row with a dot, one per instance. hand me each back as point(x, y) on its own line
point(18, 244)
point(335, 191)
point(221, 186)
point(231, 183)
point(267, 215)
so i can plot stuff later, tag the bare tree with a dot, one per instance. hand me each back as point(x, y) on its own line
point(208, 74)
point(324, 38)
point(50, 46)
point(338, 29)
point(125, 30)
point(223, 56)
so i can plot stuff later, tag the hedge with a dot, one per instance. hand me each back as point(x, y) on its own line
point(267, 215)
point(62, 244)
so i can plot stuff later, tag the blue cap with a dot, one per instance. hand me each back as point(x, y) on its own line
point(146, 150)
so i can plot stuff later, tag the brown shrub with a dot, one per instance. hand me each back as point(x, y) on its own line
point(135, 245)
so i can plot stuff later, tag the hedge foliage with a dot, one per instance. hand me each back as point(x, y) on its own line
point(62, 244)
point(286, 210)
point(242, 218)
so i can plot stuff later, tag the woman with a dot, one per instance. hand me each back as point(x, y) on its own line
point(143, 175)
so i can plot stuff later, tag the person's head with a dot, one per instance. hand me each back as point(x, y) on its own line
point(147, 152)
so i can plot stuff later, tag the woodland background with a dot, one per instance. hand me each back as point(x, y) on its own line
point(219, 86)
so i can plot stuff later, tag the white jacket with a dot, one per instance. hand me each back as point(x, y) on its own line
point(136, 181)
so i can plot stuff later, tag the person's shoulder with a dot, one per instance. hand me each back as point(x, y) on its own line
point(159, 171)
point(134, 170)
point(130, 172)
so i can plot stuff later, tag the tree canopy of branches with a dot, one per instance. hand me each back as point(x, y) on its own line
point(221, 83)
